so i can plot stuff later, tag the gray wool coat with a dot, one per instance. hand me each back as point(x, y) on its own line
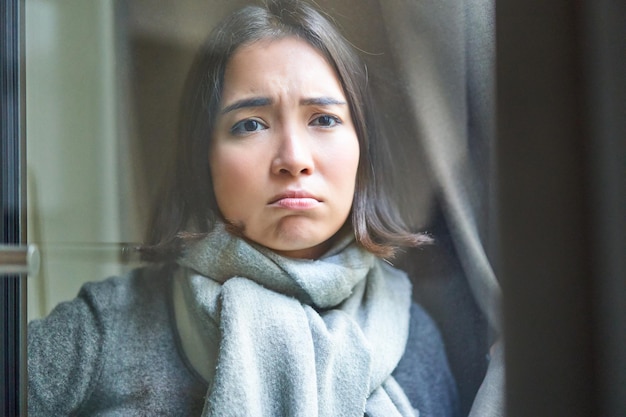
point(115, 351)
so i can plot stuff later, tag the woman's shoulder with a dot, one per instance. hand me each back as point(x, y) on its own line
point(101, 345)
point(140, 284)
point(115, 294)
point(423, 330)
point(423, 371)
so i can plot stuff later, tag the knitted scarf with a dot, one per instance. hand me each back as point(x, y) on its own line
point(310, 338)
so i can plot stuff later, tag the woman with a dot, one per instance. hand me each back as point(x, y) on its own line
point(271, 296)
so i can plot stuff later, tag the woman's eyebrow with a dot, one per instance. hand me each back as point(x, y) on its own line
point(321, 101)
point(247, 102)
point(265, 101)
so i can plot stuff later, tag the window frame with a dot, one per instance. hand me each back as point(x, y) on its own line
point(12, 204)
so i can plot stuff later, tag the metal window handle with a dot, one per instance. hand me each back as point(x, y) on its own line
point(19, 259)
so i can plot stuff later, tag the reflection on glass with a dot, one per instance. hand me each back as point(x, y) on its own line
point(104, 87)
point(75, 175)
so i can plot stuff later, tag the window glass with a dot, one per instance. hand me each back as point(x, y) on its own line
point(104, 81)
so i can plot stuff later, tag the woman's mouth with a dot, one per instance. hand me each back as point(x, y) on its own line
point(295, 200)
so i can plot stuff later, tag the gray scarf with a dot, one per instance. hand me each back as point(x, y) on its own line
point(298, 337)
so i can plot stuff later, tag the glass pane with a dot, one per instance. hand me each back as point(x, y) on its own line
point(80, 171)
point(104, 85)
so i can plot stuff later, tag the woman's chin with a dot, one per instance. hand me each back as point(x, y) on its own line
point(300, 245)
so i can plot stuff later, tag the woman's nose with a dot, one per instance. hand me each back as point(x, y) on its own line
point(294, 155)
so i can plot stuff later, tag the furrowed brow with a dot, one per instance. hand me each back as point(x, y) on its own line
point(247, 102)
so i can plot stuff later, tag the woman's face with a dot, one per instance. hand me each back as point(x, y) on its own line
point(284, 153)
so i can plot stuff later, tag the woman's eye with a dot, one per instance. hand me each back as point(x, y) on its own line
point(247, 126)
point(326, 121)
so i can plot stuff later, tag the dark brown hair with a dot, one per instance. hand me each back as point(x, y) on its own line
point(188, 208)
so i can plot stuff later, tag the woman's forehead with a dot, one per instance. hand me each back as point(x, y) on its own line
point(280, 67)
